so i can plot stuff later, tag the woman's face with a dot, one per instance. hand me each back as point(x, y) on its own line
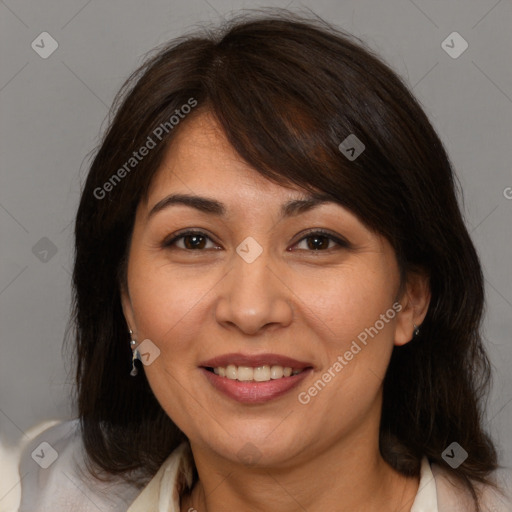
point(254, 291)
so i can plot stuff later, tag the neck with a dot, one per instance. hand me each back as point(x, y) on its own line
point(347, 477)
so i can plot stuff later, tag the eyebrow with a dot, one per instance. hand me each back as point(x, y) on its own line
point(214, 207)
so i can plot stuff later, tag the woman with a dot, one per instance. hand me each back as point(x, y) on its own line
point(271, 228)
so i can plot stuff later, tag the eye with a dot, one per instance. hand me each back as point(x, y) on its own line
point(190, 240)
point(193, 240)
point(320, 240)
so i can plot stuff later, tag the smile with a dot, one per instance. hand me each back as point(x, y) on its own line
point(254, 378)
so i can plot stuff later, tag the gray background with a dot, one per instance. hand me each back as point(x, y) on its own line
point(53, 111)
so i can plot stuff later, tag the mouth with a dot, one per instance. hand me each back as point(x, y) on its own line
point(254, 379)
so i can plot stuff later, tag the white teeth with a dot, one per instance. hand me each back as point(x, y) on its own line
point(245, 373)
point(231, 371)
point(220, 371)
point(262, 373)
point(276, 372)
point(259, 374)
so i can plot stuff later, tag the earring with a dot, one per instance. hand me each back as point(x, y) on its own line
point(416, 329)
point(135, 355)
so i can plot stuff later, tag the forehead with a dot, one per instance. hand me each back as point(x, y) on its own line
point(201, 160)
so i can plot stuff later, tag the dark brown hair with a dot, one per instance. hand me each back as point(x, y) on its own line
point(287, 90)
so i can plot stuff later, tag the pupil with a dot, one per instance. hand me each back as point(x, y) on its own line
point(194, 241)
point(318, 242)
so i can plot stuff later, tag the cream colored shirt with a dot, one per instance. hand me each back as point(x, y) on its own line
point(65, 486)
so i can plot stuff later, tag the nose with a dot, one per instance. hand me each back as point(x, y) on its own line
point(252, 297)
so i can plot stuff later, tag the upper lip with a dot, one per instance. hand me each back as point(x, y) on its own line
point(255, 360)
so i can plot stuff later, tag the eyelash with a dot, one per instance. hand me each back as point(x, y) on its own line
point(310, 234)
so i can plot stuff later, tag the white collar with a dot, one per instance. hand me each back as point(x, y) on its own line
point(162, 494)
point(426, 497)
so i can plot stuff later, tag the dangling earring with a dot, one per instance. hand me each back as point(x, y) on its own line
point(416, 329)
point(135, 355)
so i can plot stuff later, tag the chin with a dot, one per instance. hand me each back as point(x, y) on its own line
point(262, 448)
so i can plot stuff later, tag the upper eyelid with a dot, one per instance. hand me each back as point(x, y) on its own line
point(338, 239)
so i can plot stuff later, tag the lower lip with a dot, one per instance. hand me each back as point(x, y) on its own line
point(255, 392)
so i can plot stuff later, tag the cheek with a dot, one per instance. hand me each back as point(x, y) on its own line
point(170, 309)
point(348, 301)
point(356, 344)
point(354, 340)
point(167, 301)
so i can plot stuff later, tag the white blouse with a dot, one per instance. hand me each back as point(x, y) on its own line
point(65, 484)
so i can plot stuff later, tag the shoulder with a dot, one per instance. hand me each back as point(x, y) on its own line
point(452, 497)
point(54, 477)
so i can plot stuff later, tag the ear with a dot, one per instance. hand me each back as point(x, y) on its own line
point(415, 300)
point(126, 304)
